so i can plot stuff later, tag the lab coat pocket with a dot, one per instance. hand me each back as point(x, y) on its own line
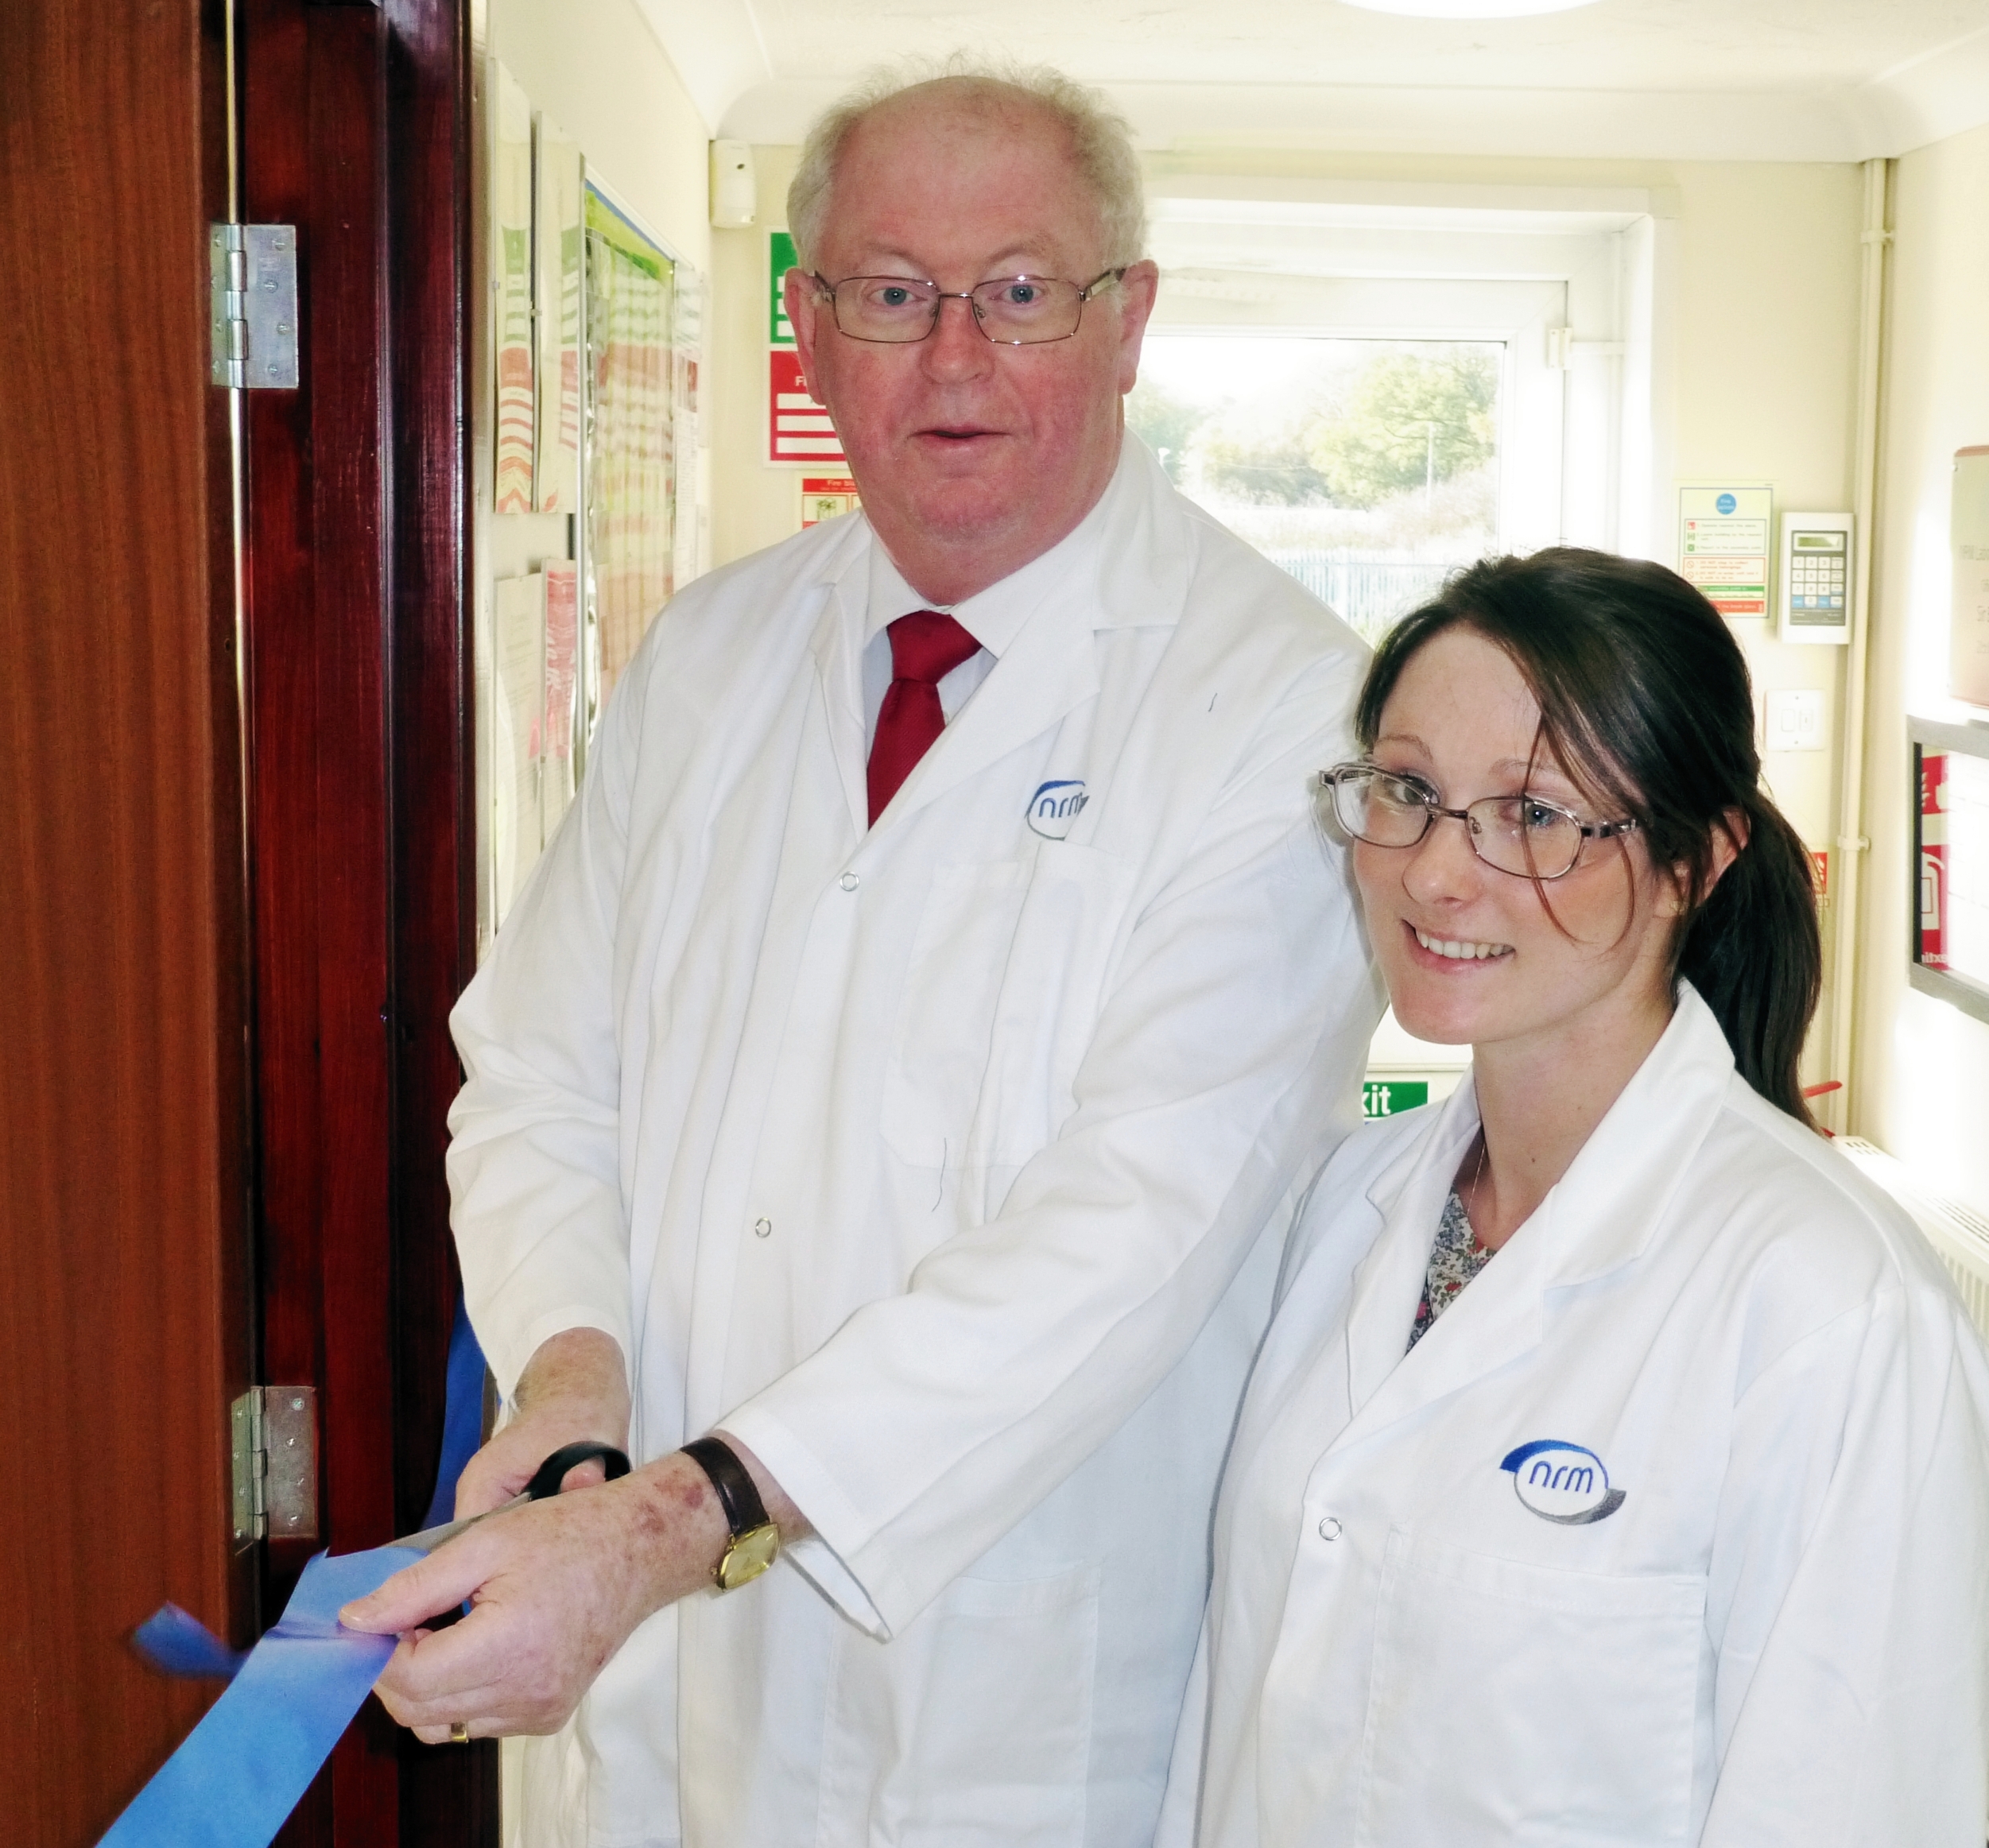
point(946, 1009)
point(1051, 995)
point(972, 1729)
point(1004, 986)
point(1529, 1705)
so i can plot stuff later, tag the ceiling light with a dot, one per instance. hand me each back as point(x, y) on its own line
point(1469, 9)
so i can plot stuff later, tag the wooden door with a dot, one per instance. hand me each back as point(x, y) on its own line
point(124, 1322)
point(236, 876)
point(355, 130)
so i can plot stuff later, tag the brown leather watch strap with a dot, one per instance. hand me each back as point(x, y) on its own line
point(744, 1510)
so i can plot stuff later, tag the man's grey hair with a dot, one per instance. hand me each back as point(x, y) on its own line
point(1101, 144)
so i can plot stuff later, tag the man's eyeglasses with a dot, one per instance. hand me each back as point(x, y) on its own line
point(1522, 834)
point(1016, 311)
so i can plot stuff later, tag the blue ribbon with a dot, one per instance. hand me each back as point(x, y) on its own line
point(462, 1416)
point(238, 1775)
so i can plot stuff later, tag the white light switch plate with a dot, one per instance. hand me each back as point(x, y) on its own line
point(1796, 720)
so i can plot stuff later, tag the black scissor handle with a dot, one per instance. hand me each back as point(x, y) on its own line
point(551, 1473)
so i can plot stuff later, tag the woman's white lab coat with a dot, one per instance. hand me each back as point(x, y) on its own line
point(1674, 1529)
point(921, 1156)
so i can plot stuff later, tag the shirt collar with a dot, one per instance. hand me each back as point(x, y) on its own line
point(995, 616)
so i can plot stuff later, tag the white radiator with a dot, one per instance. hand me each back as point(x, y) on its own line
point(1956, 1231)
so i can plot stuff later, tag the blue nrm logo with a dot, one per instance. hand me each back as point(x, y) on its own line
point(1562, 1483)
point(1055, 806)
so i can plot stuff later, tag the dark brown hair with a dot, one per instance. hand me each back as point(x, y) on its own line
point(1644, 697)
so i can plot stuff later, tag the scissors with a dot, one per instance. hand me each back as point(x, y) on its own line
point(545, 1481)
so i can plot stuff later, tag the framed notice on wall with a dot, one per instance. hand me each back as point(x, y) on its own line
point(1950, 938)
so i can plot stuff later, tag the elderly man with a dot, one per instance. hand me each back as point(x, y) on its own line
point(895, 1073)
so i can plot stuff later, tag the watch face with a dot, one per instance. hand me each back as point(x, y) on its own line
point(747, 1555)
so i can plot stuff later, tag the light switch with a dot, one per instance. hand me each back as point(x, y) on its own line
point(1796, 719)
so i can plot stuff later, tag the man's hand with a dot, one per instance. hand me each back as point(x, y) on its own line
point(557, 1586)
point(574, 1390)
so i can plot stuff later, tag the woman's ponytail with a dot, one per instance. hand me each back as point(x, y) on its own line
point(1754, 951)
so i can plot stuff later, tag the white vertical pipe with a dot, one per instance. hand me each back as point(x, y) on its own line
point(1853, 843)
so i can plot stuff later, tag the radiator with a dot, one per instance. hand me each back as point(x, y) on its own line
point(1957, 1232)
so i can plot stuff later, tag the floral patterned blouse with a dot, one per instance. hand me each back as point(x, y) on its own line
point(1454, 1261)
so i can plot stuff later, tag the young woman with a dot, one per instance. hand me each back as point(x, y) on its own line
point(1613, 1472)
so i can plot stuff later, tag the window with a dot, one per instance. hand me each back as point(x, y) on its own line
point(1367, 469)
point(1304, 347)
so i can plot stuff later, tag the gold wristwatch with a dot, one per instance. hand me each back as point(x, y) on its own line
point(755, 1541)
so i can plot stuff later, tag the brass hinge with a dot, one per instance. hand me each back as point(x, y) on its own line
point(273, 1442)
point(252, 306)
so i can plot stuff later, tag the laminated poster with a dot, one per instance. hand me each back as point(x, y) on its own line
point(557, 760)
point(1724, 545)
point(631, 453)
point(518, 733)
point(559, 235)
point(511, 276)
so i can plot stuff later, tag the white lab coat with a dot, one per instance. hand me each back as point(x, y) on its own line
point(1754, 1613)
point(921, 1158)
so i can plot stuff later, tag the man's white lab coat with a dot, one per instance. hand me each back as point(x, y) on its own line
point(1673, 1529)
point(931, 1160)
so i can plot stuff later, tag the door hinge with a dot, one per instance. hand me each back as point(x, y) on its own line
point(252, 298)
point(273, 1441)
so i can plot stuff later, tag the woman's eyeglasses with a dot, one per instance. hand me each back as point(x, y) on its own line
point(1522, 834)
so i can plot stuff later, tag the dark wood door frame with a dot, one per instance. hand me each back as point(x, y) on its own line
point(356, 128)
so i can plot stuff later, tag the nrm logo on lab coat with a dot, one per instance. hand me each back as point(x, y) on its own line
point(1562, 1483)
point(1055, 806)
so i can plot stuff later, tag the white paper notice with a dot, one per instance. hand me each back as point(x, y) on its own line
point(562, 691)
point(519, 733)
point(1723, 545)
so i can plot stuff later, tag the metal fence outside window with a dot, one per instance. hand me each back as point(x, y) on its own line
point(1370, 595)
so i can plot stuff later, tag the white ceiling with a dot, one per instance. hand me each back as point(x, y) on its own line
point(1748, 80)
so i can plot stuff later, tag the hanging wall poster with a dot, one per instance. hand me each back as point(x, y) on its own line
point(557, 758)
point(631, 465)
point(687, 344)
point(511, 283)
point(517, 732)
point(558, 246)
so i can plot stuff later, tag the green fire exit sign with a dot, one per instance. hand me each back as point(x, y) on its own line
point(1389, 1097)
point(780, 259)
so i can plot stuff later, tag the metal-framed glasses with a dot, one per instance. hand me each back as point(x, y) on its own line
point(1012, 311)
point(1524, 835)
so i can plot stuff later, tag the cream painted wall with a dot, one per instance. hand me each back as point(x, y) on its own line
point(1923, 1067)
point(596, 69)
point(754, 502)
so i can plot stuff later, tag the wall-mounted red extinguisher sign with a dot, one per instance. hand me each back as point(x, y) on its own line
point(1933, 859)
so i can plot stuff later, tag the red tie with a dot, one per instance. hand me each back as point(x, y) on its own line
point(926, 648)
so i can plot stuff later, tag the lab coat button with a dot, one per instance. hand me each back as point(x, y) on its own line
point(762, 1228)
point(849, 883)
point(1329, 1529)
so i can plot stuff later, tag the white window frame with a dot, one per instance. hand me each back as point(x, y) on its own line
point(1565, 279)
